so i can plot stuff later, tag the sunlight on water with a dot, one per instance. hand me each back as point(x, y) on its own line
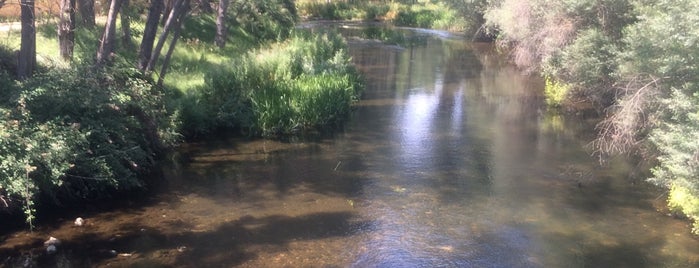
point(449, 160)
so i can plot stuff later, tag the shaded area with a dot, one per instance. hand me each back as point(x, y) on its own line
point(226, 245)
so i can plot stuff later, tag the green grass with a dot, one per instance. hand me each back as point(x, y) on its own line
point(423, 15)
point(302, 84)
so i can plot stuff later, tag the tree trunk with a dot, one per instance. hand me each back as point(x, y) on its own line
point(149, 32)
point(87, 13)
point(174, 13)
point(108, 38)
point(169, 5)
point(27, 51)
point(125, 24)
point(221, 30)
point(205, 6)
point(66, 29)
point(173, 42)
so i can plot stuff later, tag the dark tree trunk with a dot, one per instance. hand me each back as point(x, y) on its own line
point(151, 29)
point(108, 38)
point(27, 51)
point(221, 30)
point(169, 5)
point(66, 29)
point(173, 43)
point(125, 24)
point(174, 13)
point(86, 9)
point(205, 6)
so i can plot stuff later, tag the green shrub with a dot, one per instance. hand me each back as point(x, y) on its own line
point(685, 201)
point(75, 134)
point(328, 11)
point(555, 91)
point(304, 83)
point(264, 19)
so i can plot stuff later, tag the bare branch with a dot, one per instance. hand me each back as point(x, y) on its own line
point(623, 130)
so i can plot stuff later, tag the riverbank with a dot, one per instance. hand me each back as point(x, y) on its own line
point(271, 82)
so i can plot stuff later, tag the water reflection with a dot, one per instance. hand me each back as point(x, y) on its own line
point(449, 161)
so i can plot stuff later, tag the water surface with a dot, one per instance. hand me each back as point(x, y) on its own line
point(450, 160)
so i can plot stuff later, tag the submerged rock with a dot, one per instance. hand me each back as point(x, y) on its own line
point(51, 249)
point(79, 222)
point(52, 245)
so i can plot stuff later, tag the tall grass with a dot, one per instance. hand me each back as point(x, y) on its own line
point(302, 84)
point(423, 15)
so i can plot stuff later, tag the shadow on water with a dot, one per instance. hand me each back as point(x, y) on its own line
point(224, 246)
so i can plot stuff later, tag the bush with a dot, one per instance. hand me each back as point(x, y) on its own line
point(76, 134)
point(264, 19)
point(589, 65)
point(302, 84)
point(328, 11)
point(555, 91)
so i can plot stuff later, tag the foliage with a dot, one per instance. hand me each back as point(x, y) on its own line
point(79, 133)
point(685, 201)
point(335, 10)
point(589, 64)
point(663, 44)
point(446, 15)
point(555, 91)
point(301, 84)
point(264, 19)
point(635, 59)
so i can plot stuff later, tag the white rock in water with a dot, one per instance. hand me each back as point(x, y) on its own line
point(79, 222)
point(51, 249)
point(52, 241)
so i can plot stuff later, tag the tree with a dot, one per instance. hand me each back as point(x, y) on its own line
point(149, 33)
point(175, 12)
point(173, 42)
point(107, 43)
point(205, 6)
point(27, 51)
point(126, 24)
point(221, 23)
point(66, 29)
point(86, 9)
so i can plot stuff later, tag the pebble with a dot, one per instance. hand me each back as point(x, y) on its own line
point(79, 222)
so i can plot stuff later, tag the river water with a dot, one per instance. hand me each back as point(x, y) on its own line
point(450, 160)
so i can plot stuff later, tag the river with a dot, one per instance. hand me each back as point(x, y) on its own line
point(450, 159)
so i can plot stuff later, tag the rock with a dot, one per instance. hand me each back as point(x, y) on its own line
point(51, 249)
point(52, 241)
point(52, 245)
point(79, 222)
